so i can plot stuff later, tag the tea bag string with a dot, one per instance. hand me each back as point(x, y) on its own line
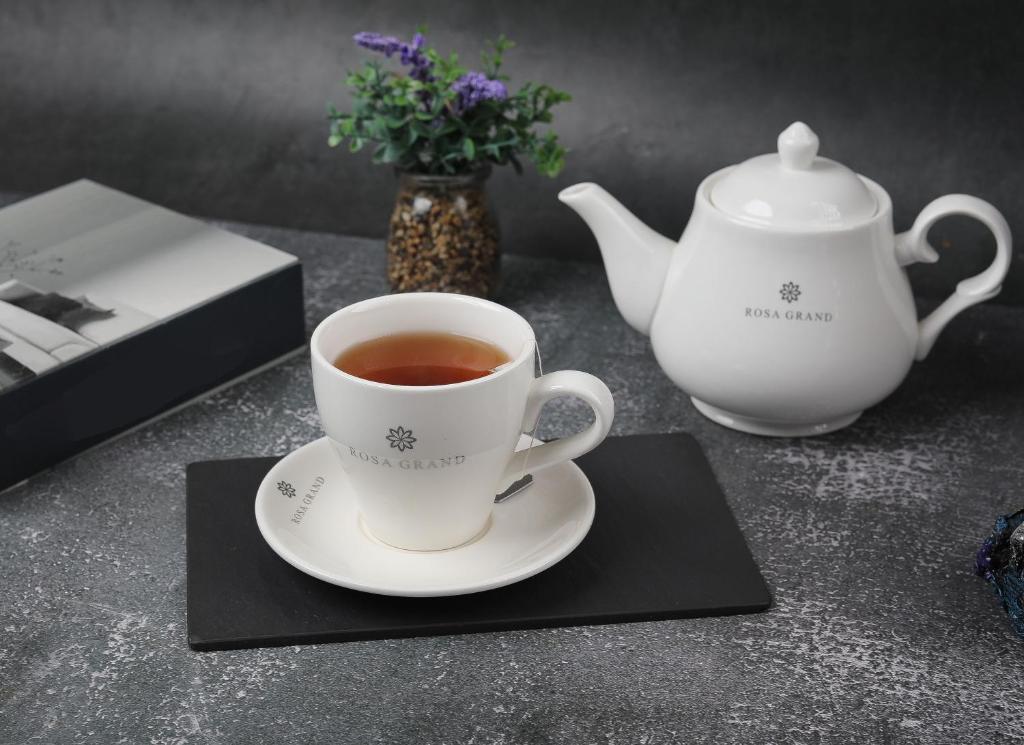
point(539, 370)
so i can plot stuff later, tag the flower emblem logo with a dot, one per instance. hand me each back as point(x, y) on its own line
point(790, 292)
point(286, 489)
point(401, 438)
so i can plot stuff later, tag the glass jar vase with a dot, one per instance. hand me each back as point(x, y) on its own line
point(443, 235)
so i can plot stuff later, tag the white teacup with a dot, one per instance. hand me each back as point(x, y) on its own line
point(426, 461)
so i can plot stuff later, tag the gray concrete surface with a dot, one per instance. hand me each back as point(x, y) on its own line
point(880, 632)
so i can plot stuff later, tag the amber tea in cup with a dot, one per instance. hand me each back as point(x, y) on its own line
point(421, 358)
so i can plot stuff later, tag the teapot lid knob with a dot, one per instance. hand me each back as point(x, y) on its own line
point(798, 147)
point(794, 189)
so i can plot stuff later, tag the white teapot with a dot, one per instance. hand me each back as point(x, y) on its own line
point(784, 308)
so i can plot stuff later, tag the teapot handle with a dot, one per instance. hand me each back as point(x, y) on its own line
point(913, 246)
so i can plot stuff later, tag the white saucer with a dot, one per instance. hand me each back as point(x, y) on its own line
point(318, 531)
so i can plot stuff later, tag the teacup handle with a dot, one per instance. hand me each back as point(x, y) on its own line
point(913, 246)
point(555, 385)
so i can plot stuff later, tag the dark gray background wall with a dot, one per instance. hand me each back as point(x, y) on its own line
point(216, 108)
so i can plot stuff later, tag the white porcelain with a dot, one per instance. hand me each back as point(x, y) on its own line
point(793, 189)
point(789, 317)
point(308, 513)
point(426, 461)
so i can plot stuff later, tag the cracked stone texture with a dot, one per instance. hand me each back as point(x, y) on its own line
point(880, 632)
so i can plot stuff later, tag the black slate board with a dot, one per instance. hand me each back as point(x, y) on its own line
point(663, 545)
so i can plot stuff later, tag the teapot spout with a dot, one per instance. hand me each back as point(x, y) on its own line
point(635, 257)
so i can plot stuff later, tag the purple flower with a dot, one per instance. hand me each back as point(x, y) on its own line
point(387, 45)
point(411, 54)
point(474, 87)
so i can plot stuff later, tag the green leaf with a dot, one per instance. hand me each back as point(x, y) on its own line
point(413, 123)
point(419, 128)
point(446, 128)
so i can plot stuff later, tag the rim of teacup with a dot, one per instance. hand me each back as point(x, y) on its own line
point(525, 354)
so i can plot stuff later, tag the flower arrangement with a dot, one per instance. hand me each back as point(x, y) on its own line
point(437, 117)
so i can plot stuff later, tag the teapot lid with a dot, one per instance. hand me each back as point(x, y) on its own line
point(795, 189)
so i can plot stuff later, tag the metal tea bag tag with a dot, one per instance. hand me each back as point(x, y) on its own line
point(525, 478)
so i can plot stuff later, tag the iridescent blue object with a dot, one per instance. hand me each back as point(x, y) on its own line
point(1000, 560)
